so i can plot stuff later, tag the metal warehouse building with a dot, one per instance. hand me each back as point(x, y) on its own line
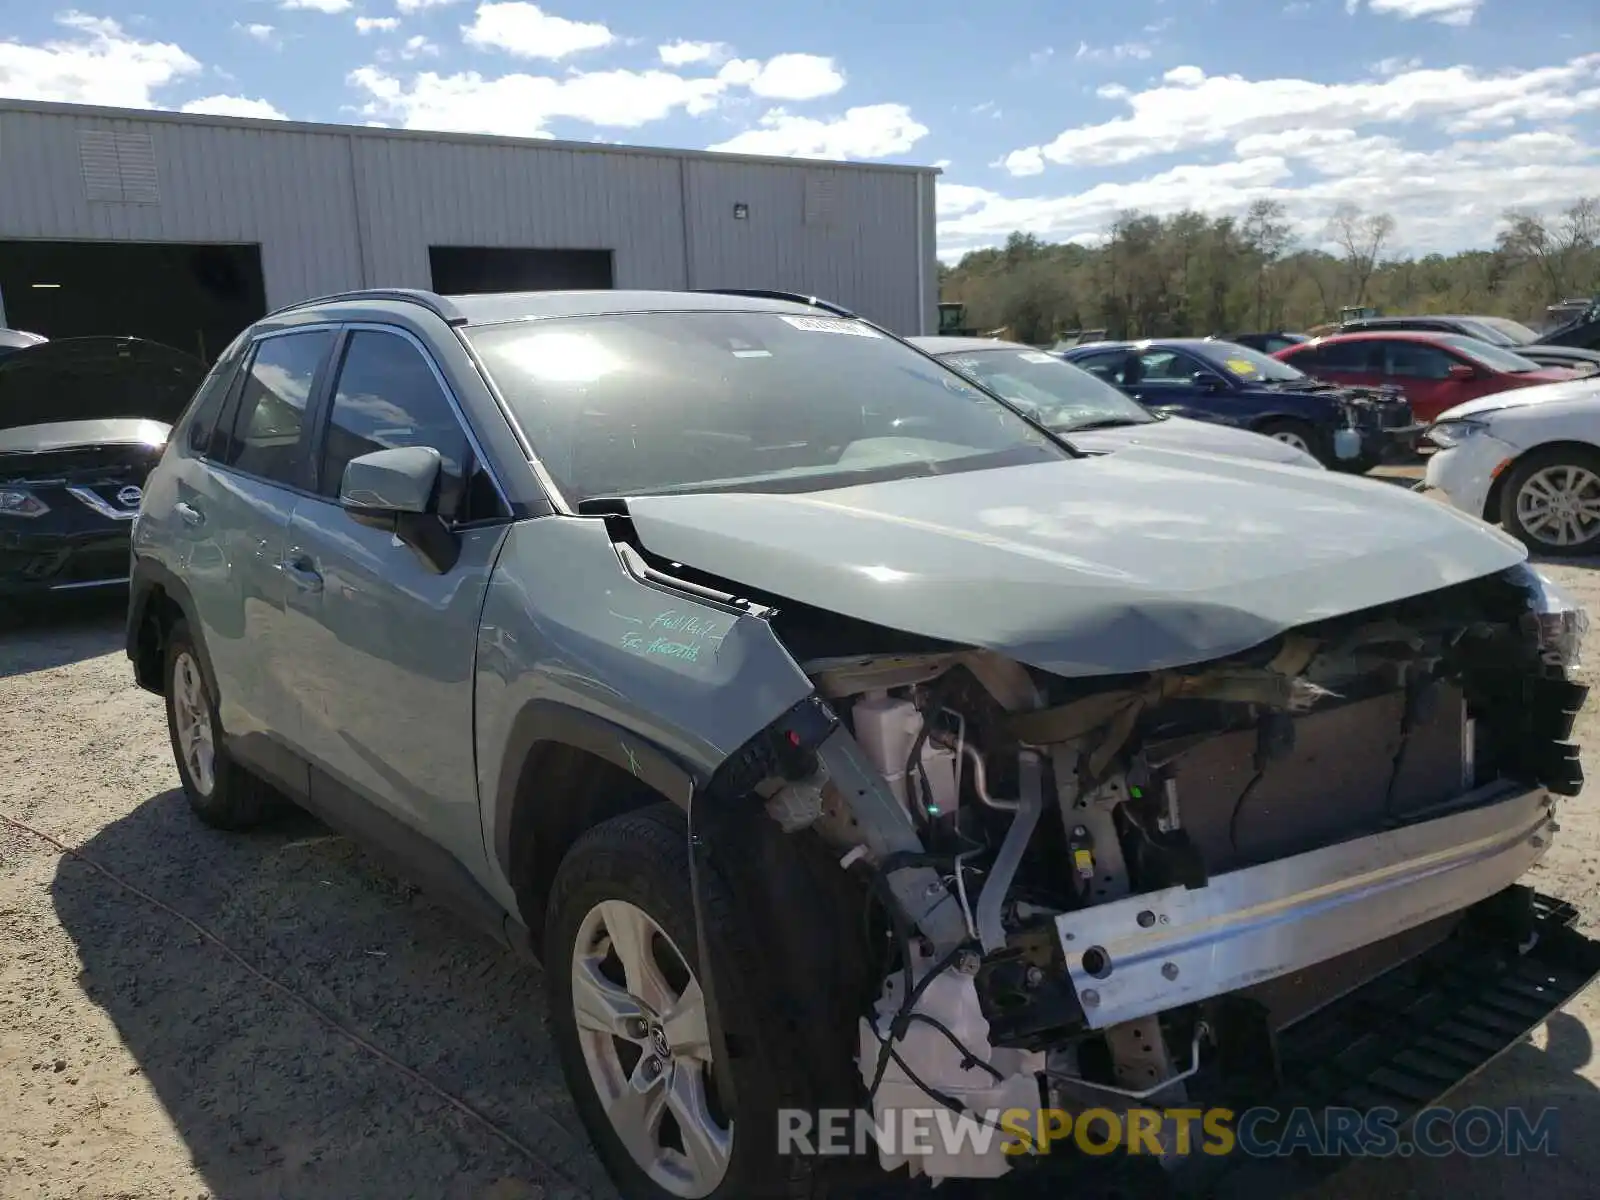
point(185, 228)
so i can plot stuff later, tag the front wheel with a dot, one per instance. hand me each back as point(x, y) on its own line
point(631, 1025)
point(1302, 435)
point(1551, 501)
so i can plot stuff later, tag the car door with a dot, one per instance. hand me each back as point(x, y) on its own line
point(1164, 382)
point(1422, 371)
point(232, 502)
point(382, 647)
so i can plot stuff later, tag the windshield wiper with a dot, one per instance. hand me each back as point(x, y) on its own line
point(1100, 423)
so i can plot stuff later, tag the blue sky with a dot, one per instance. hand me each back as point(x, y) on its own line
point(1442, 112)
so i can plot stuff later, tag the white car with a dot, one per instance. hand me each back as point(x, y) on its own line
point(1528, 459)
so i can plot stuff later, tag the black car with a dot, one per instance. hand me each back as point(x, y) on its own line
point(82, 421)
point(12, 340)
point(1352, 429)
point(1497, 331)
point(1267, 343)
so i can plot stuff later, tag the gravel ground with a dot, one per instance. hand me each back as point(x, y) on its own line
point(141, 1058)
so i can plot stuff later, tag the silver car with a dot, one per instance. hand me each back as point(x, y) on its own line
point(844, 743)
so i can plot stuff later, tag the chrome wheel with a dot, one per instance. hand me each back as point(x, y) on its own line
point(191, 714)
point(1290, 438)
point(1560, 506)
point(641, 1019)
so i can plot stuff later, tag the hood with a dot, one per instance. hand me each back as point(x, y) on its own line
point(96, 378)
point(1585, 389)
point(1558, 355)
point(1115, 564)
point(71, 435)
point(1202, 437)
point(1549, 375)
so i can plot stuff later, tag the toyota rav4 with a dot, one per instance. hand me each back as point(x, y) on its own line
point(839, 738)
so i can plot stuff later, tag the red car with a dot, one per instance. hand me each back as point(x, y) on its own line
point(1436, 371)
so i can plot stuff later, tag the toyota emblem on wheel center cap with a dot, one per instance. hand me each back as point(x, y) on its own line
point(130, 496)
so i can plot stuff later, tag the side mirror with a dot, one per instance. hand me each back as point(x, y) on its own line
point(395, 490)
point(1462, 371)
point(1206, 381)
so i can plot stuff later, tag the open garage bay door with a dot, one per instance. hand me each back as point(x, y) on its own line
point(195, 298)
point(465, 270)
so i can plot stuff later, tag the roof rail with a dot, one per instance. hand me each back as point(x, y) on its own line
point(837, 310)
point(432, 301)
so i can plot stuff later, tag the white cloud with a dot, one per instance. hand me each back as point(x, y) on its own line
point(1121, 52)
point(1443, 199)
point(684, 54)
point(321, 6)
point(1394, 66)
point(411, 6)
point(1446, 12)
point(1190, 109)
point(235, 106)
point(418, 46)
point(527, 31)
point(871, 131)
point(377, 24)
point(524, 105)
point(261, 33)
point(786, 76)
point(99, 64)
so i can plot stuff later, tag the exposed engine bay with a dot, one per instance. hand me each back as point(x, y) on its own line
point(1087, 892)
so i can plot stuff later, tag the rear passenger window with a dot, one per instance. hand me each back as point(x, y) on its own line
point(208, 400)
point(388, 396)
point(1348, 357)
point(269, 424)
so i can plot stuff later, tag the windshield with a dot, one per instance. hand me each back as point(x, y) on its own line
point(1244, 363)
point(1516, 333)
point(638, 403)
point(1493, 357)
point(1057, 394)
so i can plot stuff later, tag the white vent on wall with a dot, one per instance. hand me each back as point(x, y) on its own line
point(118, 167)
point(819, 199)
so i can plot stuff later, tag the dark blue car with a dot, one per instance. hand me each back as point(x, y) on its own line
point(1352, 429)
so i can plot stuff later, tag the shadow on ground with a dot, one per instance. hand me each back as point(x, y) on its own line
point(272, 1103)
point(71, 628)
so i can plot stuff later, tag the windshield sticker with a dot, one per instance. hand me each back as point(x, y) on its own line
point(832, 325)
point(1035, 356)
point(752, 353)
point(1240, 366)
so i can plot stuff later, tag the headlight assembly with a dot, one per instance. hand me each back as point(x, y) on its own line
point(1449, 434)
point(19, 502)
point(1555, 620)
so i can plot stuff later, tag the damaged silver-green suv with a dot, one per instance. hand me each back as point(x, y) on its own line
point(844, 742)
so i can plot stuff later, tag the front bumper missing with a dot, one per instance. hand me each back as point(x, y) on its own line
point(1149, 953)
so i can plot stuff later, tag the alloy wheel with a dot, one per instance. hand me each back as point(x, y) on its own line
point(1559, 506)
point(642, 1026)
point(191, 711)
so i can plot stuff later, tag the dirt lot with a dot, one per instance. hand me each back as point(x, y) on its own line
point(140, 1057)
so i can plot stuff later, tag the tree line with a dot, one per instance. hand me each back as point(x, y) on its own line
point(1194, 274)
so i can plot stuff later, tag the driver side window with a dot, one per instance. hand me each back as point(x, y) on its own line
point(387, 396)
point(1164, 366)
point(1415, 360)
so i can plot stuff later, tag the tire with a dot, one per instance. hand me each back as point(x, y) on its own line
point(1541, 476)
point(1300, 434)
point(221, 793)
point(636, 864)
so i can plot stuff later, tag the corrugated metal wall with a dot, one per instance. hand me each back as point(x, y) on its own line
point(334, 209)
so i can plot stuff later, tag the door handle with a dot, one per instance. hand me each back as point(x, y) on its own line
point(301, 573)
point(190, 514)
